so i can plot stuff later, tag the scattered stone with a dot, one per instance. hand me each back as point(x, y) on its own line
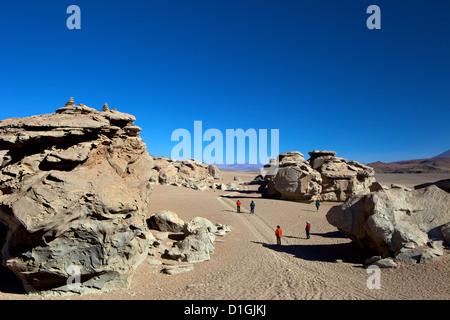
point(154, 262)
point(231, 186)
point(385, 263)
point(172, 270)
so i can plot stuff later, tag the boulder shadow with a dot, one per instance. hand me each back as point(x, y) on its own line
point(240, 196)
point(345, 252)
point(9, 282)
point(332, 234)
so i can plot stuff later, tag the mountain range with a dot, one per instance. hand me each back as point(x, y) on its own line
point(437, 164)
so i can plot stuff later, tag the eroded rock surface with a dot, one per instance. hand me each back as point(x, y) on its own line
point(410, 225)
point(74, 188)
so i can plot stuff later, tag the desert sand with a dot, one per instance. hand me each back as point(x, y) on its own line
point(247, 265)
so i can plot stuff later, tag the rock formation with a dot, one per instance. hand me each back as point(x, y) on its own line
point(443, 184)
point(408, 224)
point(324, 176)
point(198, 236)
point(188, 173)
point(74, 188)
point(294, 179)
point(340, 179)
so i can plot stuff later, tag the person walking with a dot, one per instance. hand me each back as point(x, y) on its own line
point(252, 207)
point(278, 234)
point(238, 204)
point(317, 205)
point(307, 228)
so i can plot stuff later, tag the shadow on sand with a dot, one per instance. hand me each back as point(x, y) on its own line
point(345, 252)
point(244, 195)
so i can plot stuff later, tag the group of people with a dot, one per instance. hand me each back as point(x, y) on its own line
point(278, 231)
point(252, 206)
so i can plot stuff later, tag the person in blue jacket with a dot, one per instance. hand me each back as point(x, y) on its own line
point(252, 208)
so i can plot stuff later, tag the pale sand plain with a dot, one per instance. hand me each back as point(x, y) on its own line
point(247, 265)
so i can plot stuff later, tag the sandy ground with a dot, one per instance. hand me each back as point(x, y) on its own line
point(247, 265)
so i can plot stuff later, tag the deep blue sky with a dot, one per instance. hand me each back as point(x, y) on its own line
point(311, 69)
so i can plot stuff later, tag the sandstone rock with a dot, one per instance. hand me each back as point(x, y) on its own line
point(230, 186)
point(319, 157)
point(395, 222)
point(74, 194)
point(386, 263)
point(189, 173)
point(214, 172)
point(324, 176)
point(166, 220)
point(443, 184)
point(294, 180)
point(341, 179)
point(445, 231)
point(199, 223)
point(190, 249)
point(171, 270)
point(199, 236)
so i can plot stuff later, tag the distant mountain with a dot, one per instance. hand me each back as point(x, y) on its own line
point(443, 155)
point(240, 167)
point(434, 165)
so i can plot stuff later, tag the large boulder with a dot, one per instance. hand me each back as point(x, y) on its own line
point(443, 184)
point(188, 173)
point(340, 179)
point(324, 176)
point(197, 245)
point(74, 188)
point(395, 222)
point(293, 180)
point(166, 220)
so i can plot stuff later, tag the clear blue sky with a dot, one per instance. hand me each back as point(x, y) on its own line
point(311, 69)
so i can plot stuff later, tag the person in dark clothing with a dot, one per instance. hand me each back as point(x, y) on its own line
point(252, 207)
point(317, 205)
point(307, 228)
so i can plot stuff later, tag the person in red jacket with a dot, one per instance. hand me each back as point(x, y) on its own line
point(238, 204)
point(278, 234)
point(307, 228)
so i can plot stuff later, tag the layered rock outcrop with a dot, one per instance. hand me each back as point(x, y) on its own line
point(409, 225)
point(199, 235)
point(340, 179)
point(324, 176)
point(74, 188)
point(188, 173)
point(294, 179)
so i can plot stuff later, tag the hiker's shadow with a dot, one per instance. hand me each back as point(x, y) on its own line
point(234, 211)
